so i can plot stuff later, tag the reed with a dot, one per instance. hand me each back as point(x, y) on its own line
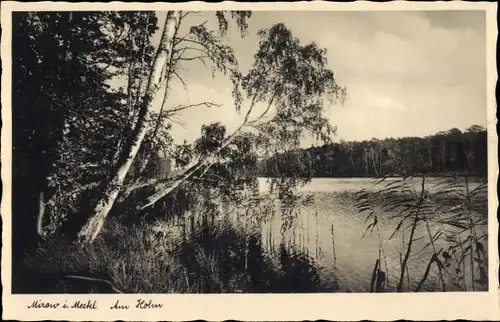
point(472, 267)
point(445, 212)
point(333, 246)
point(435, 253)
point(317, 234)
point(378, 281)
point(412, 233)
point(463, 270)
point(374, 276)
point(426, 273)
point(218, 257)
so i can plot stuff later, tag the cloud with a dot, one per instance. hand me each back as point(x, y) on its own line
point(407, 73)
point(432, 76)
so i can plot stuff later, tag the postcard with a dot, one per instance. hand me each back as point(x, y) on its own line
point(249, 161)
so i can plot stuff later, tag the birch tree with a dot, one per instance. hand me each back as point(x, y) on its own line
point(281, 98)
point(294, 84)
point(170, 53)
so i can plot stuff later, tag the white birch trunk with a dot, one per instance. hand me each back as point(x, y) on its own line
point(94, 224)
point(41, 214)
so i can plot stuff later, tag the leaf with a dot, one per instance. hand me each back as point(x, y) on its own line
point(396, 230)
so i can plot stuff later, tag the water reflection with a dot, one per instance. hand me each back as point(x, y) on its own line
point(347, 257)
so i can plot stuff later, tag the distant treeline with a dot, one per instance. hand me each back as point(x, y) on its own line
point(447, 152)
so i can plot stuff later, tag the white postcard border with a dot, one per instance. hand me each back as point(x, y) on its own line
point(262, 307)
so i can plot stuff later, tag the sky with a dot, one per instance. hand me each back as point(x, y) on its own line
point(407, 73)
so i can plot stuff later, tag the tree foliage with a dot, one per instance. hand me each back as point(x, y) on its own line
point(78, 131)
point(68, 122)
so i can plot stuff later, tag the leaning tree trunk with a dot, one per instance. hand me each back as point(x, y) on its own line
point(165, 187)
point(94, 224)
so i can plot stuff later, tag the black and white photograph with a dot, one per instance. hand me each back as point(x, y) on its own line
point(221, 151)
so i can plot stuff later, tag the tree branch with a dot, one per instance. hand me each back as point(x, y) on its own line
point(166, 186)
point(207, 50)
point(179, 108)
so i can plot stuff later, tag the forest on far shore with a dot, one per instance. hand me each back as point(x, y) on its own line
point(446, 152)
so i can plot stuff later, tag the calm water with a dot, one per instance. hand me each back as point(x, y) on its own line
point(355, 256)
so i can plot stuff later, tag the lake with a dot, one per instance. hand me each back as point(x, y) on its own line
point(335, 204)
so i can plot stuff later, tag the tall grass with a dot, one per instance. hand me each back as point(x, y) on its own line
point(217, 256)
point(450, 213)
point(332, 231)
